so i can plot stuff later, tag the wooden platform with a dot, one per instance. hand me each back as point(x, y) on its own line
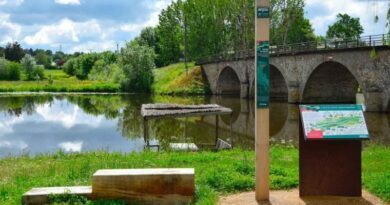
point(38, 196)
point(136, 186)
point(145, 186)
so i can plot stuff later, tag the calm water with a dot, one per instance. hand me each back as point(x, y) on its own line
point(33, 124)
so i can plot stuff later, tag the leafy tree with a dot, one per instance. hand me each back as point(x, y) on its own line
point(59, 58)
point(42, 58)
point(84, 64)
point(13, 70)
point(13, 52)
point(106, 72)
point(28, 63)
point(288, 24)
point(170, 33)
point(70, 67)
point(33, 71)
point(148, 37)
point(345, 27)
point(137, 63)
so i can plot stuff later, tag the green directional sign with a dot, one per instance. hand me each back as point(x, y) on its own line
point(321, 122)
point(263, 12)
point(263, 74)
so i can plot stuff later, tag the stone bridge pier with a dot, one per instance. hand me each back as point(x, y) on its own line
point(319, 77)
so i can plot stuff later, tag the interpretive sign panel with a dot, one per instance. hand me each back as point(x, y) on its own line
point(263, 74)
point(321, 122)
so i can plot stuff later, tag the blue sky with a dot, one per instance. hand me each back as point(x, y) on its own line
point(97, 25)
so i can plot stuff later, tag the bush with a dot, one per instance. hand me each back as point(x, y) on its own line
point(9, 70)
point(38, 72)
point(84, 64)
point(137, 63)
point(104, 72)
point(14, 70)
point(69, 67)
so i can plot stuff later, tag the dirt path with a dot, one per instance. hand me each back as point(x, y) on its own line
point(291, 197)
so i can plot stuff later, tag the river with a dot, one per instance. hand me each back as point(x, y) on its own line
point(32, 124)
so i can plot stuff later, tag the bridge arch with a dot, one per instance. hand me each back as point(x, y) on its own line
point(278, 84)
point(228, 82)
point(330, 82)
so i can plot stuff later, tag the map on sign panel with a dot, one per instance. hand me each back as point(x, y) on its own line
point(333, 122)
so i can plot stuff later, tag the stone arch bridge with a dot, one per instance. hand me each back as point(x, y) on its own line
point(320, 76)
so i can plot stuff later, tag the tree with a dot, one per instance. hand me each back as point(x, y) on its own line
point(28, 63)
point(388, 19)
point(1, 51)
point(345, 27)
point(42, 58)
point(288, 24)
point(13, 52)
point(137, 63)
point(170, 34)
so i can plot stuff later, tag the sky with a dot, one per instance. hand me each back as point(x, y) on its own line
point(98, 25)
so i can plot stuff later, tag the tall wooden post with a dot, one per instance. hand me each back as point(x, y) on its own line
point(262, 99)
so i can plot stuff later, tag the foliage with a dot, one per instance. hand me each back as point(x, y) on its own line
point(84, 64)
point(70, 67)
point(63, 83)
point(42, 58)
point(29, 65)
point(174, 80)
point(137, 63)
point(345, 27)
point(288, 24)
point(106, 72)
point(373, 54)
point(170, 34)
point(9, 70)
point(13, 52)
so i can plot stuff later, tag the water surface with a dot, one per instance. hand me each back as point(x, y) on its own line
point(46, 123)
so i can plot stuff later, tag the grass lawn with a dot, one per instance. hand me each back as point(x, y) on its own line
point(216, 173)
point(61, 83)
point(174, 80)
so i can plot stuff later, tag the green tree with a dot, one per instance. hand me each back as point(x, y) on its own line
point(137, 63)
point(13, 52)
point(42, 58)
point(1, 51)
point(345, 27)
point(288, 24)
point(28, 63)
point(170, 34)
point(84, 64)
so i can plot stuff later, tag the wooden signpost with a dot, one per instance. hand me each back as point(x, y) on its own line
point(262, 99)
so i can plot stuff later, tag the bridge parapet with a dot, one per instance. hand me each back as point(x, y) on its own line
point(365, 42)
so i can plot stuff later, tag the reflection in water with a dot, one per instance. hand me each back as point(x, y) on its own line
point(34, 124)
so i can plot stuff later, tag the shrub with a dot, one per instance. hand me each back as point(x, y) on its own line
point(84, 64)
point(69, 67)
point(137, 63)
point(104, 72)
point(9, 70)
point(14, 70)
point(38, 72)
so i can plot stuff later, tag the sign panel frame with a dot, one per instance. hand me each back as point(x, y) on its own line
point(333, 122)
point(263, 12)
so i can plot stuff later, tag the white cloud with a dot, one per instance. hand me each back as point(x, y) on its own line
point(6, 124)
point(13, 144)
point(64, 31)
point(11, 2)
point(9, 31)
point(67, 116)
point(152, 21)
point(71, 146)
point(94, 46)
point(365, 10)
point(70, 2)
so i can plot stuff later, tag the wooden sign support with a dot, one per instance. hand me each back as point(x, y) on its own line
point(262, 100)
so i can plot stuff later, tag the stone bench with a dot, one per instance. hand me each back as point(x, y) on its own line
point(145, 186)
point(38, 196)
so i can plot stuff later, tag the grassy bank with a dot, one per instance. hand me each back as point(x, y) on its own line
point(61, 83)
point(174, 80)
point(216, 173)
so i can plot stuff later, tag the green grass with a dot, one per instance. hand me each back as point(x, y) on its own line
point(216, 173)
point(61, 83)
point(174, 80)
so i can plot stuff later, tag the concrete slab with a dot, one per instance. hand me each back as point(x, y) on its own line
point(291, 197)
